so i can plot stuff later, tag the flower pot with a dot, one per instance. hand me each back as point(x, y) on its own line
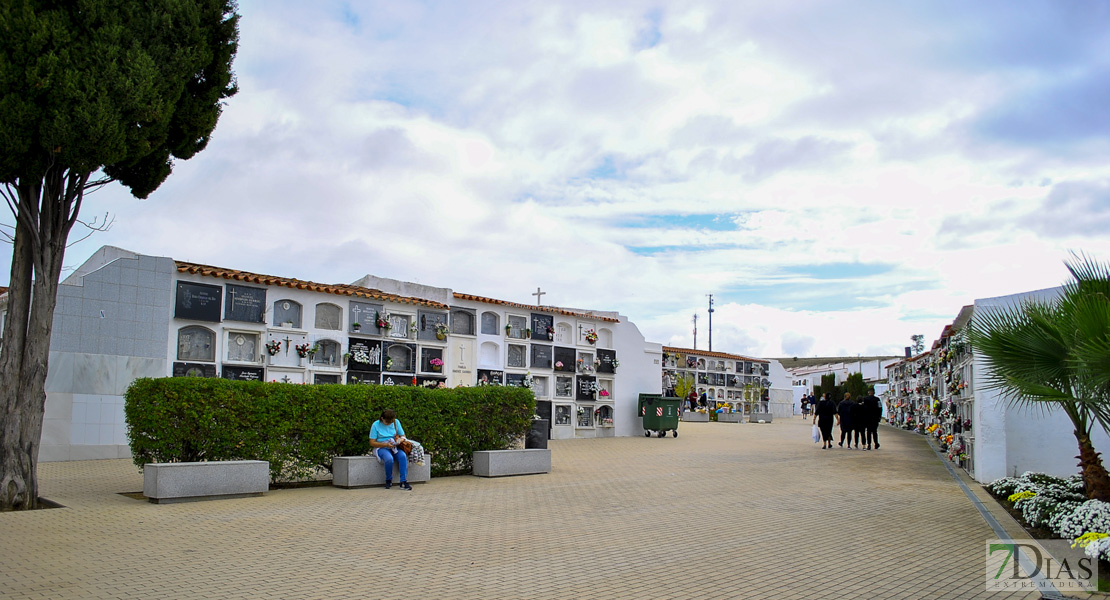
point(441, 336)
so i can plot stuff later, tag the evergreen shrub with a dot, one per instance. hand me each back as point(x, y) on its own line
point(300, 428)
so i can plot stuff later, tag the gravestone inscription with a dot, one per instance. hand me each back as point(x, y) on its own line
point(607, 357)
point(365, 355)
point(584, 390)
point(247, 304)
point(541, 356)
point(490, 377)
point(198, 301)
point(564, 359)
point(243, 373)
point(543, 327)
point(182, 369)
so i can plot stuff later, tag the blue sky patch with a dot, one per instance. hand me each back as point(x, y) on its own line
point(839, 270)
point(704, 222)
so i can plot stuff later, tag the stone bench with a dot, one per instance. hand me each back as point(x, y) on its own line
point(729, 417)
point(365, 471)
point(758, 417)
point(695, 417)
point(191, 481)
point(501, 463)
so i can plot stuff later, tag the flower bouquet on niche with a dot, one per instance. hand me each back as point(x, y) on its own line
point(273, 347)
point(382, 320)
point(303, 350)
point(436, 363)
point(591, 336)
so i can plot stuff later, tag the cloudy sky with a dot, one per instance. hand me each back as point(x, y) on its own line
point(839, 175)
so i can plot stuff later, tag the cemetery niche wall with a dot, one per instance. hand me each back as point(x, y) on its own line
point(160, 317)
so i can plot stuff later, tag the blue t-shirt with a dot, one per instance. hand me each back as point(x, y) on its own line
point(383, 433)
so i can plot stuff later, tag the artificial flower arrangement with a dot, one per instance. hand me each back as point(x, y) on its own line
point(382, 320)
point(436, 362)
point(558, 364)
point(442, 329)
point(528, 379)
point(361, 356)
point(273, 347)
point(591, 336)
point(388, 363)
point(616, 363)
point(304, 350)
point(603, 393)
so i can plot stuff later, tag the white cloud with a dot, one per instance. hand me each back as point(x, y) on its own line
point(863, 156)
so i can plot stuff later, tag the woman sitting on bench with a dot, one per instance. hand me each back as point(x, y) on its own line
point(386, 436)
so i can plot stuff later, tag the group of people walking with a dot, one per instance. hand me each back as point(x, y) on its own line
point(859, 421)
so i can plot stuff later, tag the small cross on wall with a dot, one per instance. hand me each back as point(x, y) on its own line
point(538, 294)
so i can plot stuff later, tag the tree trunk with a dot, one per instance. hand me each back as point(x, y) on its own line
point(1095, 478)
point(17, 475)
point(45, 214)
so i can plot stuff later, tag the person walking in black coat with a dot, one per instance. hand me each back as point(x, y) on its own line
point(859, 422)
point(823, 416)
point(873, 413)
point(847, 425)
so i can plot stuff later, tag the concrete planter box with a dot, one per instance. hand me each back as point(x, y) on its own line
point(501, 463)
point(186, 482)
point(695, 417)
point(729, 417)
point(760, 416)
point(365, 471)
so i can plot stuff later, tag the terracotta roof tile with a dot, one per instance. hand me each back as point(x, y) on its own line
point(712, 354)
point(326, 288)
point(549, 309)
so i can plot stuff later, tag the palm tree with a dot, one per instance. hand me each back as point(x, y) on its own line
point(1045, 354)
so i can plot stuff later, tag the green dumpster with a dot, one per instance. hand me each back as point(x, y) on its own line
point(660, 414)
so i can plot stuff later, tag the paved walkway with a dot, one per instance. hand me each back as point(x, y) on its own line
point(722, 511)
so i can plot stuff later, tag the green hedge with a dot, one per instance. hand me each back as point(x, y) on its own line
point(298, 428)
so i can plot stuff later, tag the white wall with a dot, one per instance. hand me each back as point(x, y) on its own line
point(1009, 439)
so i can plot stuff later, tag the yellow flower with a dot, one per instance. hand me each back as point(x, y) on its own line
point(1021, 495)
point(1088, 538)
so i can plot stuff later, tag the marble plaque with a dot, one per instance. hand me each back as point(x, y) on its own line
point(399, 357)
point(181, 369)
point(515, 356)
point(606, 357)
point(490, 377)
point(365, 355)
point(396, 380)
point(243, 373)
point(198, 301)
point(427, 355)
point(196, 343)
point(543, 327)
point(541, 356)
point(357, 378)
point(564, 387)
point(430, 382)
point(567, 357)
point(426, 322)
point(363, 314)
point(322, 378)
point(514, 379)
point(584, 387)
point(247, 304)
point(242, 347)
point(287, 312)
point(462, 321)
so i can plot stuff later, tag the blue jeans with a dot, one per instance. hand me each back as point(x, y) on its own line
point(387, 455)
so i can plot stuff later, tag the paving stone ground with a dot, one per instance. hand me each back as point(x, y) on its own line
point(723, 511)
